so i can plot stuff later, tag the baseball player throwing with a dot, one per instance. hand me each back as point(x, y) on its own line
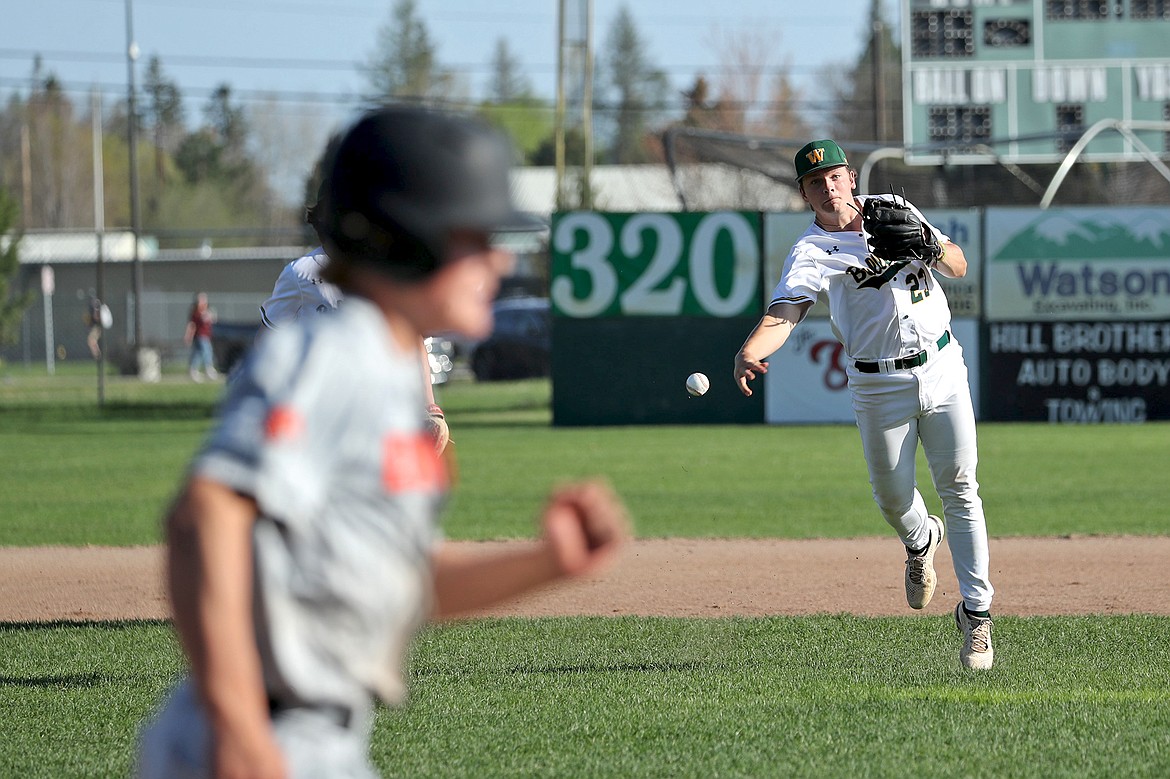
point(872, 260)
point(303, 550)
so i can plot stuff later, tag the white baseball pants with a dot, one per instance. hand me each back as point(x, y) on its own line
point(176, 743)
point(931, 404)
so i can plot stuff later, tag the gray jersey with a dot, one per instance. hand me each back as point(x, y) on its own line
point(348, 488)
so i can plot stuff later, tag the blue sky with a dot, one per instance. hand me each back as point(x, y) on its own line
point(311, 50)
point(295, 64)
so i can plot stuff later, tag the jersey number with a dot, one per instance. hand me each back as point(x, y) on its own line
point(919, 285)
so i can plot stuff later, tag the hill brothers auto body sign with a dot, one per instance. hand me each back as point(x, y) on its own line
point(1078, 312)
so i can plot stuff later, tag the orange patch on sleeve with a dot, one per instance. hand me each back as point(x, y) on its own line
point(409, 463)
point(283, 423)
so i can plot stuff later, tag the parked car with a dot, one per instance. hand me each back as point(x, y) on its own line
point(520, 344)
point(230, 341)
point(441, 356)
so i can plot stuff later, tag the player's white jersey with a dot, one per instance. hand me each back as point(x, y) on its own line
point(300, 289)
point(878, 310)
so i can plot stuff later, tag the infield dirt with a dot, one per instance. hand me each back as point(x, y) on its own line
point(678, 578)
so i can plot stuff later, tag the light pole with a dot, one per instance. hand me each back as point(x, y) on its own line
point(99, 225)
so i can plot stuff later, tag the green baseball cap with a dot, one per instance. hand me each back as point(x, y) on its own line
point(817, 155)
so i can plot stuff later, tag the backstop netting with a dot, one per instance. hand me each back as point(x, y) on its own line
point(717, 170)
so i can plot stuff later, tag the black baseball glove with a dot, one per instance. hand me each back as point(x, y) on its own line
point(896, 233)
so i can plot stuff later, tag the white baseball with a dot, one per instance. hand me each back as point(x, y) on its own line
point(698, 384)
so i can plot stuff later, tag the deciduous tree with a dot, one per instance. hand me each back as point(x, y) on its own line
point(703, 111)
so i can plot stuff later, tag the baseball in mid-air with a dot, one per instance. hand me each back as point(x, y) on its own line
point(698, 384)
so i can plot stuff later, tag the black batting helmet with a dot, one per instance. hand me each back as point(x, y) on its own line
point(401, 178)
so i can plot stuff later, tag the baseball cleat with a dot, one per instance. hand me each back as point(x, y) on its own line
point(920, 578)
point(977, 653)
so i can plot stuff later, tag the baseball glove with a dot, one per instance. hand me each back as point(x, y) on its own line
point(437, 428)
point(897, 233)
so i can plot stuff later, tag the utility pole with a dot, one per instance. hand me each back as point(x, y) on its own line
point(135, 216)
point(877, 44)
point(575, 75)
point(99, 225)
point(25, 170)
point(587, 109)
point(559, 120)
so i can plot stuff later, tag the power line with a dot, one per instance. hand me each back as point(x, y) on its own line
point(813, 19)
point(301, 63)
point(357, 100)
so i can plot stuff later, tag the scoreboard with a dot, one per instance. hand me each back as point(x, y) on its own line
point(1021, 80)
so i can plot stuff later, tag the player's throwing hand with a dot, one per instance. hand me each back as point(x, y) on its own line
point(746, 369)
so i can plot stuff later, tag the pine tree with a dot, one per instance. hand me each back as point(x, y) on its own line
point(637, 88)
point(404, 66)
point(12, 304)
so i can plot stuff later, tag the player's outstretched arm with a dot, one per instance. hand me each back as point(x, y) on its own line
point(768, 336)
point(584, 525)
point(209, 572)
point(437, 427)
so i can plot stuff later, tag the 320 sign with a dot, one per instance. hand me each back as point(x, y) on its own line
point(676, 264)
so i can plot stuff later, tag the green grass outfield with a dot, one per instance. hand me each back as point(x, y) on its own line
point(830, 696)
point(75, 474)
